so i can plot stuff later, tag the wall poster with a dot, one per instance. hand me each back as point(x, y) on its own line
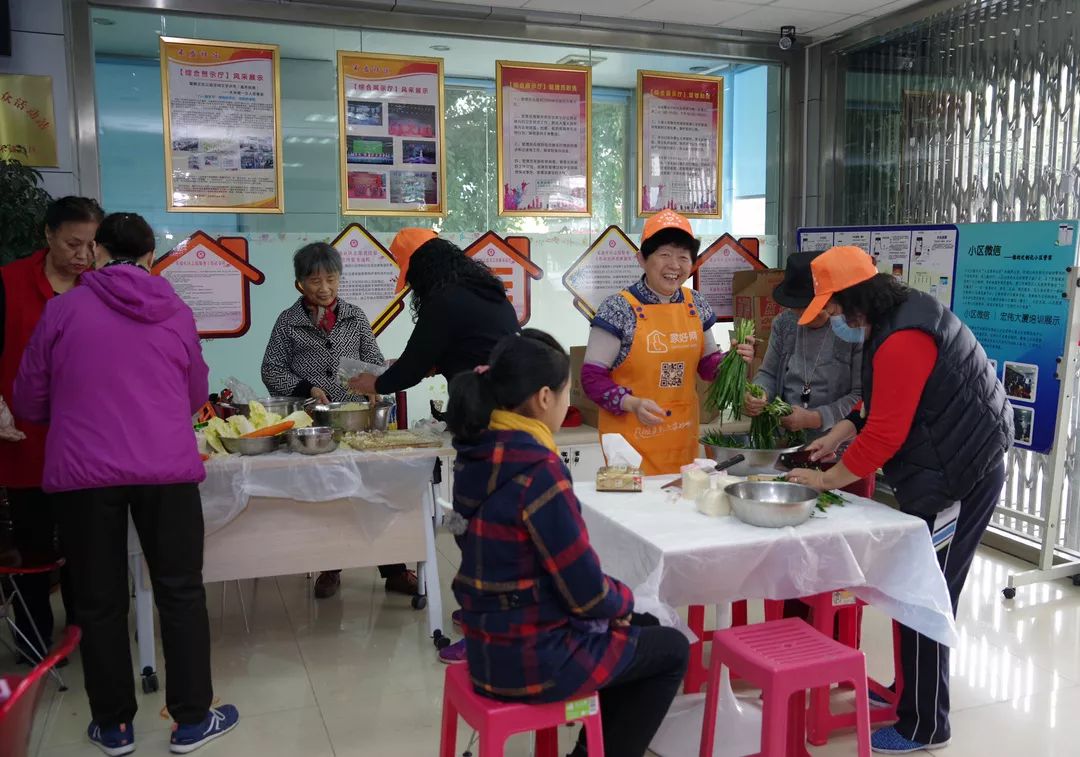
point(680, 141)
point(545, 139)
point(369, 276)
point(716, 268)
point(221, 105)
point(606, 268)
point(27, 125)
point(390, 127)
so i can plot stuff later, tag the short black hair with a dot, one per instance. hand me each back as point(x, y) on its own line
point(126, 236)
point(673, 236)
point(317, 257)
point(873, 299)
point(72, 209)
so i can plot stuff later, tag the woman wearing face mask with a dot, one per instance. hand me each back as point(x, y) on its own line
point(302, 357)
point(935, 417)
point(645, 347)
point(117, 369)
point(26, 286)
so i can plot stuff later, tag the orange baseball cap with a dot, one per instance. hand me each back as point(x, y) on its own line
point(406, 242)
point(665, 219)
point(835, 270)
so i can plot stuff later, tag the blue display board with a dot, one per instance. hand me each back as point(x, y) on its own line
point(1006, 281)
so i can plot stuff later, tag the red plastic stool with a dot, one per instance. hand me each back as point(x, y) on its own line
point(785, 658)
point(497, 721)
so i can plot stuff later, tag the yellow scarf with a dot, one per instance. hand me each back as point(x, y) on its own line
point(504, 420)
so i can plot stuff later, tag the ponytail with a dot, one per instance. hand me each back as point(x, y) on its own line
point(521, 365)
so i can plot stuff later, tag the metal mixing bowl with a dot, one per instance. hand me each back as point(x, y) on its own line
point(316, 440)
point(281, 405)
point(343, 417)
point(757, 462)
point(259, 445)
point(771, 504)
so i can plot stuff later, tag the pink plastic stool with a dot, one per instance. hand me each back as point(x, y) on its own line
point(785, 658)
point(497, 721)
point(697, 675)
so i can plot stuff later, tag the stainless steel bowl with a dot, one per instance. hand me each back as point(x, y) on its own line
point(317, 440)
point(380, 416)
point(343, 417)
point(757, 462)
point(259, 445)
point(771, 504)
point(281, 405)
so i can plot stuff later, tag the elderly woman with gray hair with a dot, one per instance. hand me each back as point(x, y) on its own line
point(308, 341)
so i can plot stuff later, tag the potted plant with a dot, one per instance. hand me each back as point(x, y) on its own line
point(22, 210)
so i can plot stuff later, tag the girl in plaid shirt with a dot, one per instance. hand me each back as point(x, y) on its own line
point(542, 621)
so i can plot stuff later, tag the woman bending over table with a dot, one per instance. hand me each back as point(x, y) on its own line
point(542, 621)
point(935, 417)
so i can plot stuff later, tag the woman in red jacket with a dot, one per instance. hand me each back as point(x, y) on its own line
point(25, 286)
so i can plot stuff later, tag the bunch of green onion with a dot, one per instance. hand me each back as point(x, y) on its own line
point(765, 429)
point(729, 387)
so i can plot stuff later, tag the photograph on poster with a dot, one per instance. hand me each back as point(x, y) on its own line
point(408, 120)
point(418, 152)
point(1021, 381)
point(377, 151)
point(408, 187)
point(364, 113)
point(367, 186)
point(1024, 424)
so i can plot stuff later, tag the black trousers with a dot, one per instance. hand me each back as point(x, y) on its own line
point(634, 703)
point(923, 711)
point(93, 530)
point(33, 529)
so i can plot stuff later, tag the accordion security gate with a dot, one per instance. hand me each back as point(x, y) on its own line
point(973, 115)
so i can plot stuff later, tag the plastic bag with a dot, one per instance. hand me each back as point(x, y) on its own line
point(8, 432)
point(242, 393)
point(348, 367)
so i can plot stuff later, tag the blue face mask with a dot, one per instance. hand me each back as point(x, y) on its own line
point(846, 333)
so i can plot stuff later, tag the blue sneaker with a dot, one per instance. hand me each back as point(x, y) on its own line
point(188, 738)
point(889, 741)
point(876, 700)
point(115, 741)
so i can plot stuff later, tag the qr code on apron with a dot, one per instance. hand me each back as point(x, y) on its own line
point(672, 375)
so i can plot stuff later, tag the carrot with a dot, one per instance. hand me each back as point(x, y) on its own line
point(204, 458)
point(277, 428)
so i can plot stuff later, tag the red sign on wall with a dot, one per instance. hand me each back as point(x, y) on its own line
point(509, 260)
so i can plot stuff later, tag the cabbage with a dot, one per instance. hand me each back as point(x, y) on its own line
point(257, 413)
point(239, 425)
point(213, 432)
point(300, 419)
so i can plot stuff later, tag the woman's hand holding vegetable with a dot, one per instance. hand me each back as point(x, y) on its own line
point(815, 479)
point(745, 349)
point(319, 396)
point(647, 411)
point(801, 419)
point(754, 406)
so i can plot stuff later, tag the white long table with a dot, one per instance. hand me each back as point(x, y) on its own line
point(283, 514)
point(672, 556)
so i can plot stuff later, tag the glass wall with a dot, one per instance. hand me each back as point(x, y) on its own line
point(128, 94)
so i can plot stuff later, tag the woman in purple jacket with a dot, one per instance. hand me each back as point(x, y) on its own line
point(542, 621)
point(115, 368)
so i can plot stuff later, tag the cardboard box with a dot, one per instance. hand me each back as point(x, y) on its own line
point(752, 291)
point(590, 412)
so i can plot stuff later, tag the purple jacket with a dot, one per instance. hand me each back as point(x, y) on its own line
point(114, 366)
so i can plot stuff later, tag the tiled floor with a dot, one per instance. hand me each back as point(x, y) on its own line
point(356, 675)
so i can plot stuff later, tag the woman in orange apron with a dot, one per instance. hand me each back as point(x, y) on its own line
point(645, 347)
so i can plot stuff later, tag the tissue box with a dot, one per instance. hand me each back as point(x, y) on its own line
point(618, 478)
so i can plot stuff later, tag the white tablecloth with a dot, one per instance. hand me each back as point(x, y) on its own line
point(673, 556)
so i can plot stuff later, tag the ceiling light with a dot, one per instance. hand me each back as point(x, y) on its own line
point(575, 59)
point(440, 48)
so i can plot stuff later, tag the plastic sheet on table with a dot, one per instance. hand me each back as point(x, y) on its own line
point(383, 485)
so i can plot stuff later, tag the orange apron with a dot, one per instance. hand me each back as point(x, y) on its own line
point(662, 366)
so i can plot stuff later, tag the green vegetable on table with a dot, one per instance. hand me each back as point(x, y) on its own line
point(825, 499)
point(729, 387)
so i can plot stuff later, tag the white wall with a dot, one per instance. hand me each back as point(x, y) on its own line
point(38, 47)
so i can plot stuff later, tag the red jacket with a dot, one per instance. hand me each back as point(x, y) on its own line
point(26, 290)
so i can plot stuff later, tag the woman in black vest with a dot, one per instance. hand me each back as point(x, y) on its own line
point(941, 438)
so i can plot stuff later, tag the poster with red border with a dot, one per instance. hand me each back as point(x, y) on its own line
point(391, 127)
point(369, 276)
point(680, 141)
point(509, 259)
point(717, 266)
point(213, 277)
point(545, 139)
point(221, 105)
point(607, 267)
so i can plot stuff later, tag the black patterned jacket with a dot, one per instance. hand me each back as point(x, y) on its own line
point(299, 356)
